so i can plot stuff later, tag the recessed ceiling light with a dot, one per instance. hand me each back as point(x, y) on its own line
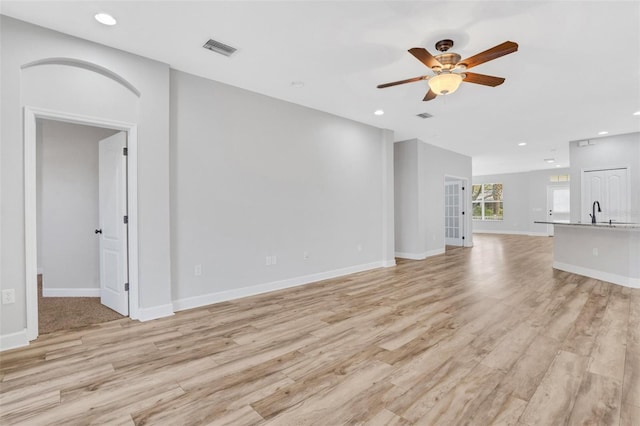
point(604, 132)
point(522, 144)
point(636, 113)
point(378, 112)
point(105, 19)
point(550, 160)
point(297, 84)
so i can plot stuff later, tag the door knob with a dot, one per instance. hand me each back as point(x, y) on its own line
point(98, 231)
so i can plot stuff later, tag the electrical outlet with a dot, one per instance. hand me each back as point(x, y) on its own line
point(595, 251)
point(305, 255)
point(274, 259)
point(267, 261)
point(197, 270)
point(359, 247)
point(8, 296)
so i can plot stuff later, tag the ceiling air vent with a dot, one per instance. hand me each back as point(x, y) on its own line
point(424, 115)
point(220, 48)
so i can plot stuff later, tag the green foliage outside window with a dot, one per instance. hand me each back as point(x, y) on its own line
point(486, 201)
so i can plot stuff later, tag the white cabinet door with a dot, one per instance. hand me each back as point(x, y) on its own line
point(616, 207)
point(611, 189)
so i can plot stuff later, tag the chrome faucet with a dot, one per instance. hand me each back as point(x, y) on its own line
point(593, 211)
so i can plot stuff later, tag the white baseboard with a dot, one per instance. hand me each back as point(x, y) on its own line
point(13, 340)
point(70, 292)
point(599, 275)
point(500, 231)
point(223, 296)
point(148, 314)
point(420, 256)
point(507, 232)
point(388, 263)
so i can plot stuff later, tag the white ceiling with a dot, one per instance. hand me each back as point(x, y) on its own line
point(576, 73)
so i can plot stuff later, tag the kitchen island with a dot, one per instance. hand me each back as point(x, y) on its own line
point(605, 251)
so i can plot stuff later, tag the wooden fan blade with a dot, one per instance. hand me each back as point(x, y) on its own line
point(487, 80)
point(430, 95)
point(490, 54)
point(409, 80)
point(425, 57)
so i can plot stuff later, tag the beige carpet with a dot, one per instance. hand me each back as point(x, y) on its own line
point(65, 313)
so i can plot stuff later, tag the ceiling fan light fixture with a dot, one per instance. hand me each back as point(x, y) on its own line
point(445, 83)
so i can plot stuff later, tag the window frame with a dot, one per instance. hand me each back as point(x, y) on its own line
point(482, 202)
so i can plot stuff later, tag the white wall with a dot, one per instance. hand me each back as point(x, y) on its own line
point(525, 201)
point(84, 91)
point(606, 153)
point(420, 175)
point(68, 207)
point(253, 177)
point(406, 197)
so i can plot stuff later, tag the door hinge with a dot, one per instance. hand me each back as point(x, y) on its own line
point(126, 286)
point(125, 151)
point(126, 219)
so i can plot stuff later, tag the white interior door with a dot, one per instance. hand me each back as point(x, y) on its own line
point(113, 236)
point(558, 205)
point(453, 205)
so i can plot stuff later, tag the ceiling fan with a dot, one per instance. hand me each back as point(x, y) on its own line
point(450, 70)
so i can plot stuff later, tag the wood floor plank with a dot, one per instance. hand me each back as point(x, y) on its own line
point(598, 401)
point(326, 405)
point(524, 377)
point(581, 337)
point(464, 399)
point(608, 355)
point(427, 389)
point(554, 398)
point(387, 418)
point(499, 408)
point(629, 414)
point(631, 380)
point(476, 336)
point(511, 347)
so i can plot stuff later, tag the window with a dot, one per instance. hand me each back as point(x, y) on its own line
point(486, 200)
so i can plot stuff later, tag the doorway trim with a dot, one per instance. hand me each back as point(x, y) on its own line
point(31, 114)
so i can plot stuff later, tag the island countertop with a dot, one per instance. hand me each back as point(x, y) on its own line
point(619, 225)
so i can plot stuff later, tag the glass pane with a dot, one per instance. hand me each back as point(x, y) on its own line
point(477, 211)
point(561, 200)
point(493, 211)
point(475, 192)
point(492, 192)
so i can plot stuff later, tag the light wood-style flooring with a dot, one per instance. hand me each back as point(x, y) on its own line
point(481, 336)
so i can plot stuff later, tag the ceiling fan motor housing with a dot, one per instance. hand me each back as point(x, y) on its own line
point(448, 61)
point(444, 45)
